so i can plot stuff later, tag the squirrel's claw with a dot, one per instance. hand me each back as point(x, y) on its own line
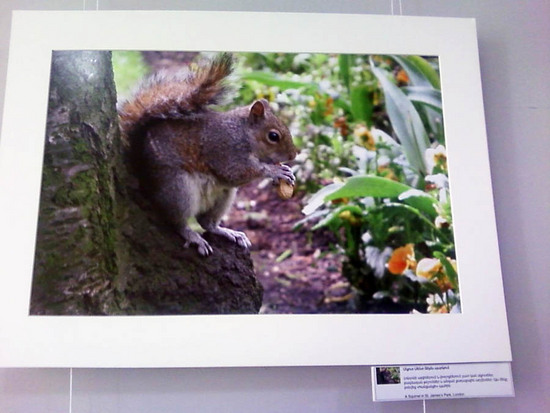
point(192, 238)
point(236, 236)
point(204, 248)
point(282, 172)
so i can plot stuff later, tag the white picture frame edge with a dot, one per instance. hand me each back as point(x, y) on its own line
point(478, 334)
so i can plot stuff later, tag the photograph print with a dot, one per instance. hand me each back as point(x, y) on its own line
point(184, 183)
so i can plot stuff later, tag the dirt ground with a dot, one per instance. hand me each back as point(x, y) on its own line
point(299, 273)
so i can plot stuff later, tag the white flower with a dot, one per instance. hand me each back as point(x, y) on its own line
point(436, 157)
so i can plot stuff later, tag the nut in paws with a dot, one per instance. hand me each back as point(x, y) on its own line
point(285, 190)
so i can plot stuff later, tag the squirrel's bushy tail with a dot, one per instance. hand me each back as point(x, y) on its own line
point(176, 96)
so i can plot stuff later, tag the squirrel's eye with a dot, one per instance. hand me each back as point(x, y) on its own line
point(273, 136)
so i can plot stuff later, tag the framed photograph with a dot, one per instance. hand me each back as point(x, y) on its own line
point(362, 231)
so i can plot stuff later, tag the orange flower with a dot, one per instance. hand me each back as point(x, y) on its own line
point(402, 259)
point(402, 77)
point(342, 125)
point(329, 108)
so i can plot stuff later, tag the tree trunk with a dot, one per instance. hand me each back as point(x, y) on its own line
point(101, 249)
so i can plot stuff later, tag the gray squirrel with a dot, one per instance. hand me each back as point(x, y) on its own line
point(189, 159)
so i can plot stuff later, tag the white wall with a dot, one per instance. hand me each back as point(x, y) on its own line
point(514, 39)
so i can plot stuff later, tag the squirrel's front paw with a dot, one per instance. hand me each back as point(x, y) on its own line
point(282, 172)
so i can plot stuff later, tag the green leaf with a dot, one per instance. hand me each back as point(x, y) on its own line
point(326, 221)
point(335, 215)
point(405, 120)
point(420, 72)
point(311, 217)
point(426, 95)
point(270, 79)
point(366, 185)
point(421, 201)
point(427, 221)
point(287, 253)
point(344, 65)
point(318, 198)
point(342, 104)
point(356, 186)
point(427, 70)
point(361, 104)
point(449, 269)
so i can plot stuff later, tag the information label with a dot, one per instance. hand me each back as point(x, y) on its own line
point(442, 381)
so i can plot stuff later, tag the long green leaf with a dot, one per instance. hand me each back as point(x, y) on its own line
point(318, 198)
point(449, 269)
point(427, 221)
point(356, 186)
point(342, 104)
point(367, 185)
point(344, 66)
point(421, 201)
point(405, 120)
point(334, 215)
point(427, 70)
point(361, 104)
point(420, 72)
point(270, 79)
point(426, 95)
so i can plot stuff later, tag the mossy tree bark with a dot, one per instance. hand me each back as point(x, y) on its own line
point(101, 249)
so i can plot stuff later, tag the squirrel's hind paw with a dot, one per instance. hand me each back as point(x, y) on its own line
point(204, 248)
point(236, 236)
point(192, 238)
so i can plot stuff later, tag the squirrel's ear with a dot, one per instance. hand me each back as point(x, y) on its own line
point(258, 108)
